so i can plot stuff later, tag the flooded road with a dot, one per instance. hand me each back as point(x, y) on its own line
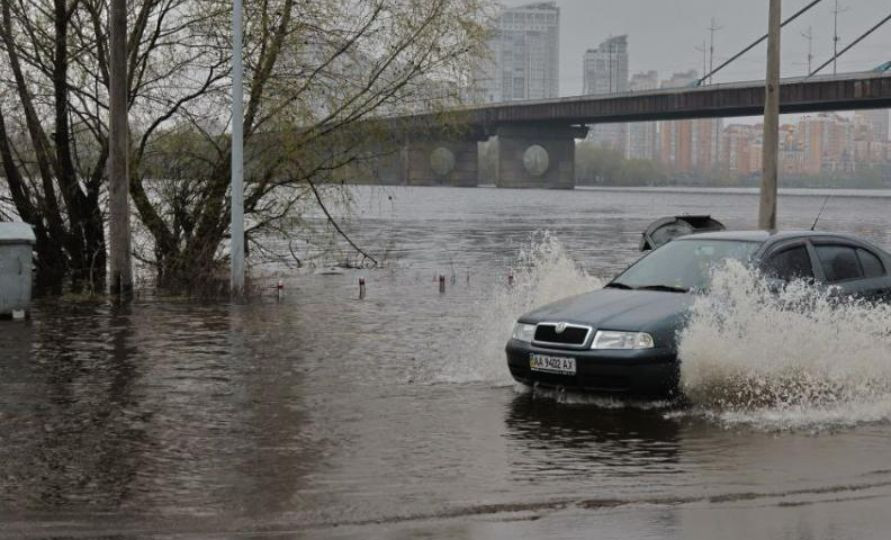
point(322, 416)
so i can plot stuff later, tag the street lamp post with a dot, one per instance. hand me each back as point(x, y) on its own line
point(237, 182)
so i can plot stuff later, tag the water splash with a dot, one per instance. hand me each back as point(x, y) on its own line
point(567, 396)
point(792, 359)
point(543, 273)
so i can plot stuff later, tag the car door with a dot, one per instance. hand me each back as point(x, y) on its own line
point(852, 269)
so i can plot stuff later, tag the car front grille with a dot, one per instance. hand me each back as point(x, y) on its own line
point(572, 335)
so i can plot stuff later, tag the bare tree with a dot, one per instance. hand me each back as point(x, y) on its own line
point(41, 177)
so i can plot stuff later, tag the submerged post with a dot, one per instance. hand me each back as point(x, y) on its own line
point(767, 213)
point(236, 250)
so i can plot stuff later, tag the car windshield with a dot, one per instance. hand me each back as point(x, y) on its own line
point(683, 265)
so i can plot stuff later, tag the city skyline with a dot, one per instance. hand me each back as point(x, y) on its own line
point(666, 39)
point(686, 145)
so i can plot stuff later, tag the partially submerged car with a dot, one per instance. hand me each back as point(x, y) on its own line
point(622, 339)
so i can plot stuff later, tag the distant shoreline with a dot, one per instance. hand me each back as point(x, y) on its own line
point(802, 192)
point(798, 192)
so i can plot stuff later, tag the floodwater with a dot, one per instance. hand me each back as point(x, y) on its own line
point(319, 415)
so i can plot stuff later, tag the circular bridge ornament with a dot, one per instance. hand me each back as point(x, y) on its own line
point(442, 161)
point(536, 160)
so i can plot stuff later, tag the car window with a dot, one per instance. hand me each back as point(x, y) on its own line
point(685, 263)
point(840, 263)
point(791, 264)
point(872, 265)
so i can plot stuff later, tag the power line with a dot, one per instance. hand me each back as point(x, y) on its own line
point(763, 38)
point(836, 56)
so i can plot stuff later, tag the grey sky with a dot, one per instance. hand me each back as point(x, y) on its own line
point(663, 35)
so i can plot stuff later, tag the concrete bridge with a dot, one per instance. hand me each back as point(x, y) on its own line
point(536, 139)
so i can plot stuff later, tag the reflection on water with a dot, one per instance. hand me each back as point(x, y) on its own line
point(556, 440)
point(165, 407)
point(394, 416)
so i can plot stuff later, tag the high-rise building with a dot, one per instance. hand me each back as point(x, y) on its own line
point(643, 137)
point(689, 145)
point(877, 121)
point(676, 136)
point(827, 141)
point(706, 143)
point(605, 71)
point(524, 55)
point(737, 149)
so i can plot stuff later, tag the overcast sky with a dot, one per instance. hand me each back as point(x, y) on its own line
point(663, 35)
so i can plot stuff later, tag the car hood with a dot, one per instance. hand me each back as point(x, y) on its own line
point(618, 309)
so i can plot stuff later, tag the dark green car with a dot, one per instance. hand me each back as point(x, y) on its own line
point(622, 339)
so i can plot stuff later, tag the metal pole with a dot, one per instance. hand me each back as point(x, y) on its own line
point(757, 42)
point(711, 63)
point(835, 38)
point(767, 214)
point(121, 283)
point(704, 51)
point(809, 35)
point(237, 227)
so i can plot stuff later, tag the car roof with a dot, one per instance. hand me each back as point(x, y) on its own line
point(765, 236)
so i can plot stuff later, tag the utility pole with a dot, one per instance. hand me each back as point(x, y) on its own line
point(835, 38)
point(767, 212)
point(121, 283)
point(236, 250)
point(713, 27)
point(809, 36)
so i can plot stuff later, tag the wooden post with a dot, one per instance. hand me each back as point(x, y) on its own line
point(767, 214)
point(121, 283)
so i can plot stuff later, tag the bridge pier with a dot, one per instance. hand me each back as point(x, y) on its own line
point(541, 156)
point(384, 167)
point(440, 163)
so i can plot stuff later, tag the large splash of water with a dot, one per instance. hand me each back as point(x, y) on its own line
point(543, 273)
point(795, 358)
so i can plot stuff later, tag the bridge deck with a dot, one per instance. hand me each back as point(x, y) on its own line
point(868, 90)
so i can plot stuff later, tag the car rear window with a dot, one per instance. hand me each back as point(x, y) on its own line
point(872, 265)
point(840, 263)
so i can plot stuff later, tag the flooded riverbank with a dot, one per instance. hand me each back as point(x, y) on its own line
point(324, 416)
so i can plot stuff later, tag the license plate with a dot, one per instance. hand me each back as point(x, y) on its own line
point(552, 364)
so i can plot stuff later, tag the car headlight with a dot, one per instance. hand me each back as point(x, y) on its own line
point(622, 340)
point(523, 332)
